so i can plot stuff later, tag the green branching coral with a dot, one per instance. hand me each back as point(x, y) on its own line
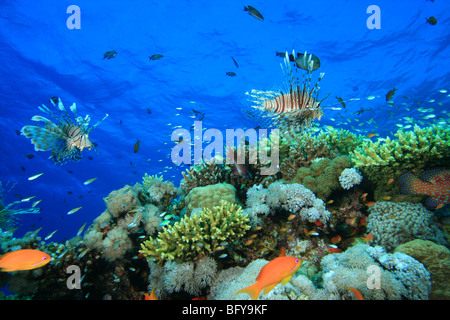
point(340, 140)
point(198, 235)
point(412, 150)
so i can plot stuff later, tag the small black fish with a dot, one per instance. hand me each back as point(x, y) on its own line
point(110, 54)
point(149, 111)
point(136, 146)
point(235, 62)
point(253, 12)
point(231, 74)
point(90, 157)
point(280, 54)
point(156, 56)
point(120, 121)
point(69, 192)
point(22, 168)
point(18, 132)
point(431, 20)
point(29, 155)
point(201, 117)
point(196, 112)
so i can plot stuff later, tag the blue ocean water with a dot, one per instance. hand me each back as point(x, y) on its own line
point(41, 58)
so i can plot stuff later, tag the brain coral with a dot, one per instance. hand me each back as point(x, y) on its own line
point(394, 223)
point(210, 196)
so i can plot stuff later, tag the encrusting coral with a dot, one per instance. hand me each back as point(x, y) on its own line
point(198, 235)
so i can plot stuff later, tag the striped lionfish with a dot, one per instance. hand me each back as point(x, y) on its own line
point(65, 139)
point(299, 104)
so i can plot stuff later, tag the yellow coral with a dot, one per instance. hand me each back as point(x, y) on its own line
point(198, 235)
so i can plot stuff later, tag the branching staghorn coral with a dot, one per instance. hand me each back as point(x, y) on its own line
point(411, 150)
point(198, 235)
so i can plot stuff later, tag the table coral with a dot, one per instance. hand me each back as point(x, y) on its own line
point(198, 235)
point(411, 150)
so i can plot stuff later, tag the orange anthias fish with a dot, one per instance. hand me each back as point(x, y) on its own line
point(23, 259)
point(434, 183)
point(279, 270)
point(151, 296)
point(355, 292)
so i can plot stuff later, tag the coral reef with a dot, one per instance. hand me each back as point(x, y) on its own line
point(198, 235)
point(411, 150)
point(322, 177)
point(189, 277)
point(392, 224)
point(436, 259)
point(401, 276)
point(300, 149)
point(294, 198)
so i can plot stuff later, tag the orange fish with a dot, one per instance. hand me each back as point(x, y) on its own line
point(369, 203)
point(292, 216)
point(279, 270)
point(249, 242)
point(364, 195)
point(434, 183)
point(370, 135)
point(23, 259)
point(355, 292)
point(363, 221)
point(151, 296)
point(387, 198)
point(334, 250)
point(336, 239)
point(390, 180)
point(368, 238)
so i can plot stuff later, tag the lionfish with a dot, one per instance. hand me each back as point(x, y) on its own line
point(299, 105)
point(66, 138)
